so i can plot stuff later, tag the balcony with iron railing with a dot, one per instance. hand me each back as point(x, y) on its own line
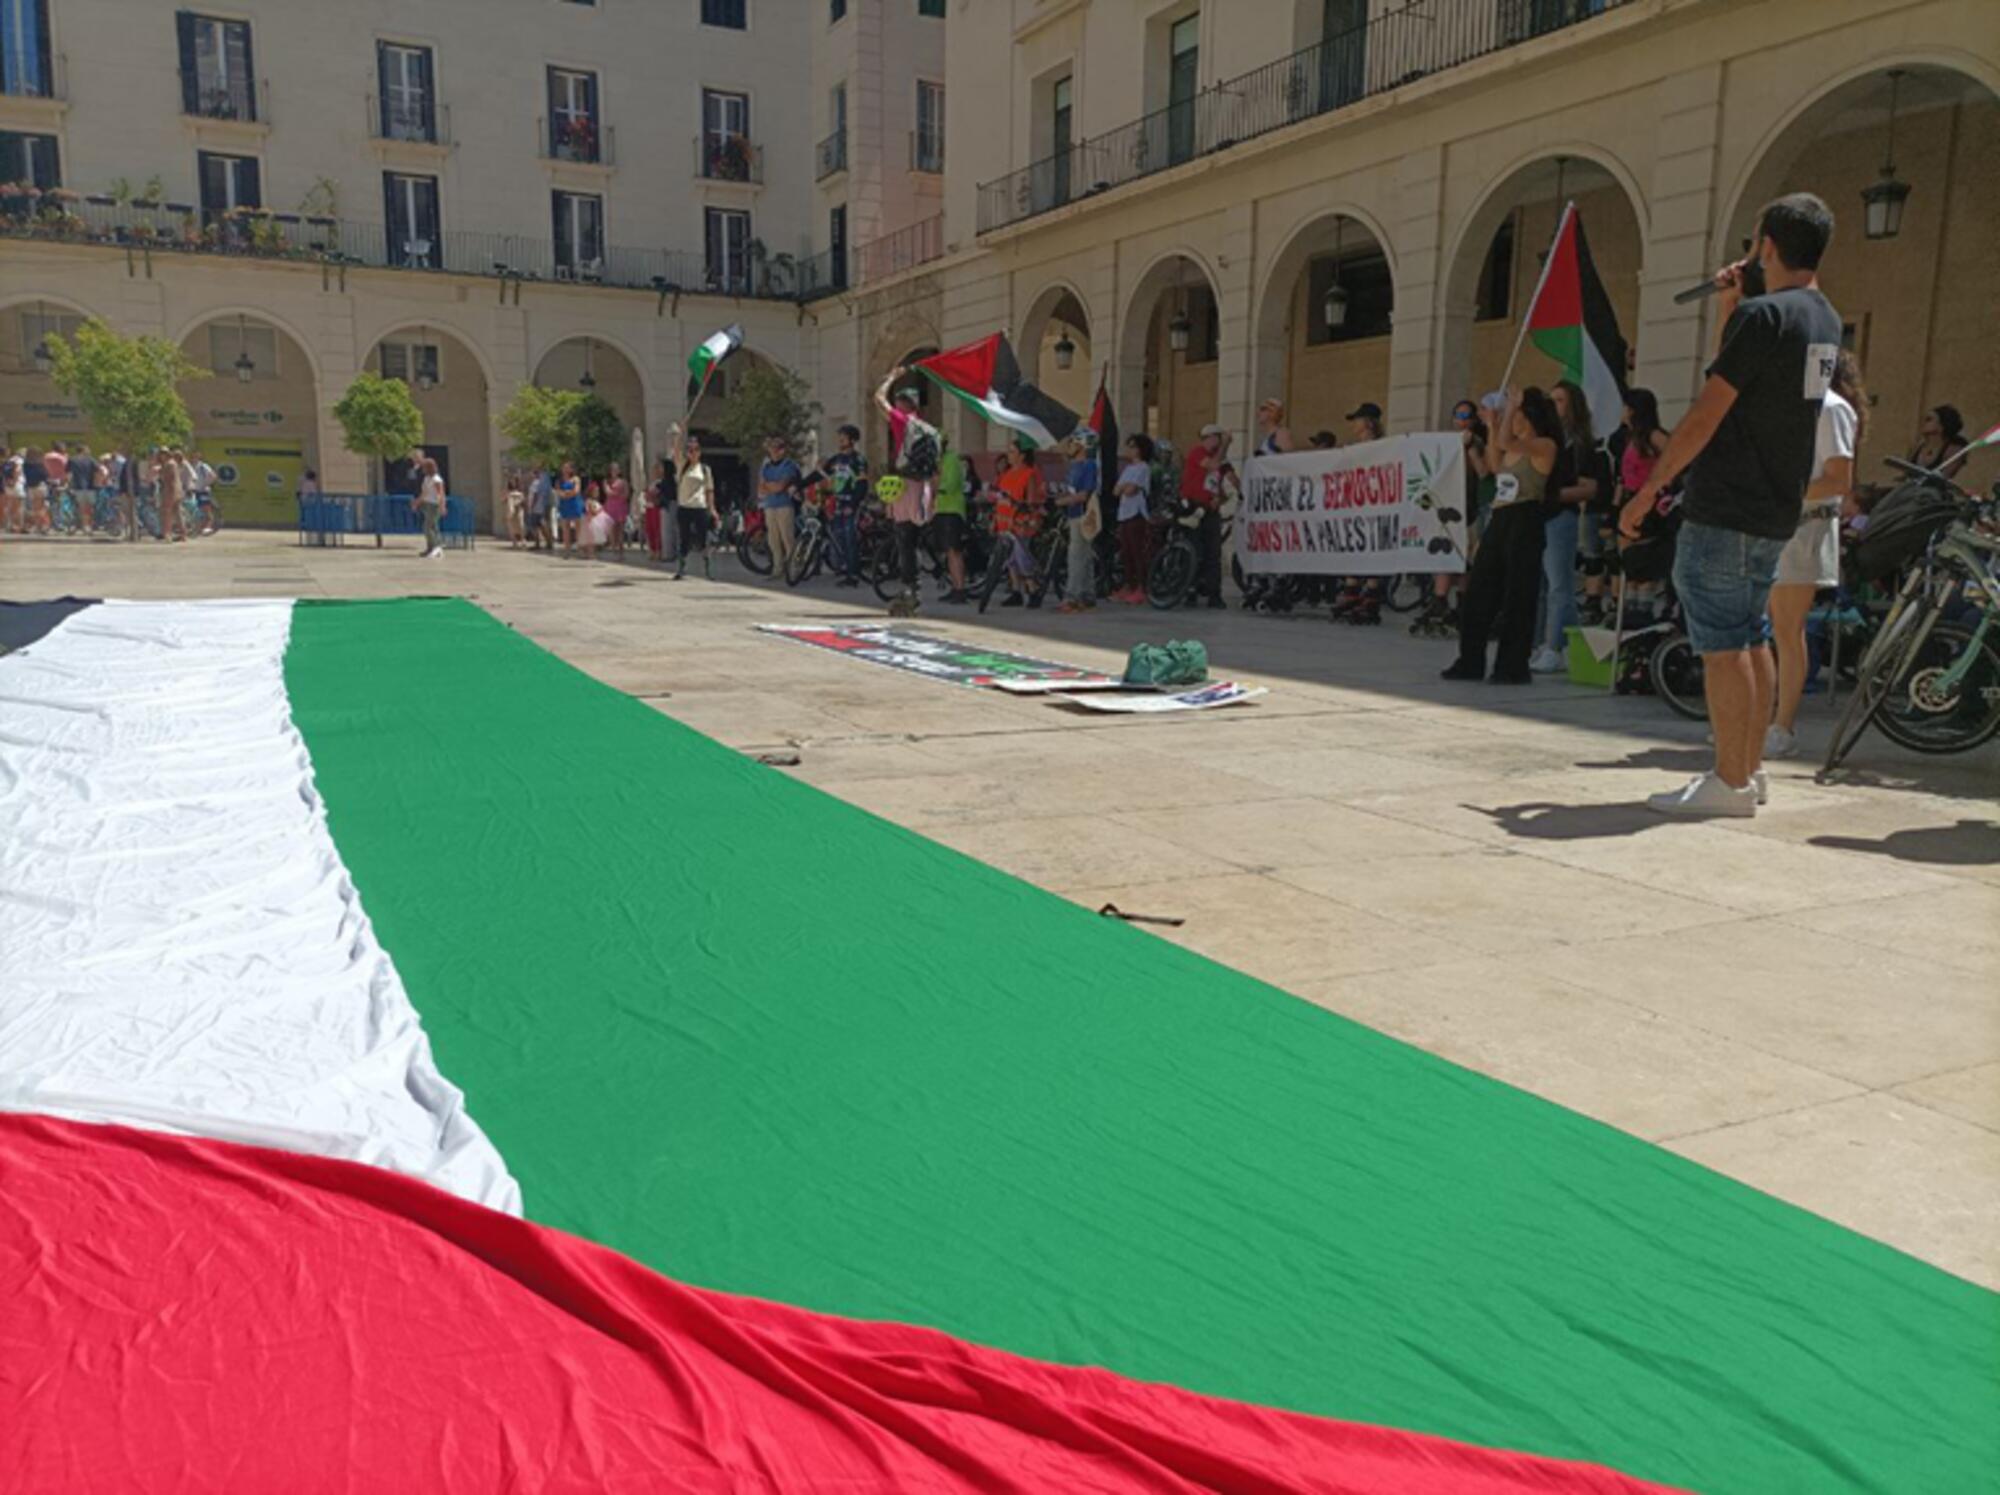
point(1416, 40)
point(403, 119)
point(728, 158)
point(905, 249)
point(136, 227)
point(927, 151)
point(830, 156)
point(577, 139)
point(231, 99)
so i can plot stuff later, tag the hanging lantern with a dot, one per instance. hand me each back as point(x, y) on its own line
point(1065, 351)
point(245, 366)
point(1179, 331)
point(45, 357)
point(589, 380)
point(1334, 308)
point(1883, 202)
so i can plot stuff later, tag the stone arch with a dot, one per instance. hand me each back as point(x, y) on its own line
point(458, 410)
point(29, 400)
point(1473, 355)
point(1157, 389)
point(613, 341)
point(1059, 308)
point(621, 379)
point(1912, 304)
point(258, 434)
point(1318, 384)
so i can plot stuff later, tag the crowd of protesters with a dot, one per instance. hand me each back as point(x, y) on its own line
point(65, 488)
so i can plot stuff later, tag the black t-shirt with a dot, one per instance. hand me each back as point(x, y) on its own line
point(1574, 463)
point(846, 470)
point(1778, 353)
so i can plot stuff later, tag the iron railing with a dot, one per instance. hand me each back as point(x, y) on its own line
point(59, 216)
point(585, 141)
point(420, 121)
point(1416, 40)
point(728, 158)
point(244, 100)
point(830, 156)
point(905, 249)
point(823, 274)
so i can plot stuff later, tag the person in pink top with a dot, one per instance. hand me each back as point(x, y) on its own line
point(617, 507)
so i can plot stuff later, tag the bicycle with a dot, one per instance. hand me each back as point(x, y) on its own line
point(1177, 559)
point(809, 545)
point(1931, 683)
point(1048, 550)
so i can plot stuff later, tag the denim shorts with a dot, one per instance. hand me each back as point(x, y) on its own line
point(1724, 579)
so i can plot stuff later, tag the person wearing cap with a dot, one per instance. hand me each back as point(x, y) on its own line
point(1360, 601)
point(778, 484)
point(1201, 486)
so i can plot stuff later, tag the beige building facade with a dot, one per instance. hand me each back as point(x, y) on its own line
point(1162, 193)
point(1229, 162)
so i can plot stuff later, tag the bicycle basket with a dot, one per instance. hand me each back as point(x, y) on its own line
point(1899, 531)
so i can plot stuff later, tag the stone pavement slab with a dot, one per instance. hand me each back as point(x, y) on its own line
point(1807, 1001)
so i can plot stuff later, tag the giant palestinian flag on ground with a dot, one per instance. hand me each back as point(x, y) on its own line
point(377, 1112)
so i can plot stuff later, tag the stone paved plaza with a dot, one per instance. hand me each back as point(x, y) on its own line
point(1808, 1002)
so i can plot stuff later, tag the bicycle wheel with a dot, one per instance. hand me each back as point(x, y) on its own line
point(995, 575)
point(1927, 712)
point(882, 568)
point(1171, 576)
point(214, 515)
point(1879, 669)
point(804, 559)
point(754, 551)
point(1406, 592)
point(1677, 677)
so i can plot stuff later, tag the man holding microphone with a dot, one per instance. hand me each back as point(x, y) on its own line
point(1747, 448)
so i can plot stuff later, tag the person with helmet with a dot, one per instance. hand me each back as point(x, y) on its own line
point(915, 446)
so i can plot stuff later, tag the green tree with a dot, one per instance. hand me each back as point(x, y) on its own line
point(768, 401)
point(378, 417)
point(598, 436)
point(126, 386)
point(541, 425)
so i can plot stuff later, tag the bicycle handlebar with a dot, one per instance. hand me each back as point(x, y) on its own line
point(1927, 474)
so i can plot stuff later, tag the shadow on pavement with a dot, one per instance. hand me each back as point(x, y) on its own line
point(1970, 843)
point(1546, 821)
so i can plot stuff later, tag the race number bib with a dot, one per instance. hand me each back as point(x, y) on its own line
point(1506, 490)
point(1820, 361)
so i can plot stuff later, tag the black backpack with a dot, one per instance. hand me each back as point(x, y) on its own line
point(1900, 530)
point(920, 452)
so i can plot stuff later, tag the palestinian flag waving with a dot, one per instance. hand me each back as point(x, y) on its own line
point(703, 361)
point(338, 1153)
point(1571, 320)
point(987, 377)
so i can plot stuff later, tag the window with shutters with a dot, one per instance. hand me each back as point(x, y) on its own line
point(408, 99)
point(575, 132)
point(579, 226)
point(227, 183)
point(29, 158)
point(26, 64)
point(413, 363)
point(927, 153)
point(410, 209)
point(216, 80)
point(727, 245)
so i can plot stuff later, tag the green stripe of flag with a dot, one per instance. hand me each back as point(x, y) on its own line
point(765, 1042)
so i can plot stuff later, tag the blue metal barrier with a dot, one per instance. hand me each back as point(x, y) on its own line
point(328, 518)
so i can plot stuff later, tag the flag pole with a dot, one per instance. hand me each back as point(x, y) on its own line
point(1548, 263)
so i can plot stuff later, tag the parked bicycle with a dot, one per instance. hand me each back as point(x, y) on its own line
point(1931, 677)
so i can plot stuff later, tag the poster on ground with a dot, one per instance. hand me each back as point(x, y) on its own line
point(256, 478)
point(1375, 509)
point(938, 658)
point(1204, 698)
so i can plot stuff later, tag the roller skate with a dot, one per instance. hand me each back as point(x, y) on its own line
point(1345, 605)
point(903, 606)
point(1367, 612)
point(1437, 621)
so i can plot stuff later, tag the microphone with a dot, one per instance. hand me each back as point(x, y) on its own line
point(1749, 280)
point(1696, 293)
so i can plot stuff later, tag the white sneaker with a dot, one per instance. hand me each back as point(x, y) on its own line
point(1760, 783)
point(1707, 797)
point(1545, 661)
point(1778, 743)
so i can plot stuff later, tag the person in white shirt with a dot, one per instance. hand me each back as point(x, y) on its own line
point(1811, 559)
point(694, 502)
point(1135, 524)
point(430, 508)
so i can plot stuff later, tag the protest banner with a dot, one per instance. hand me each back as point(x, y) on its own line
point(938, 658)
point(1376, 509)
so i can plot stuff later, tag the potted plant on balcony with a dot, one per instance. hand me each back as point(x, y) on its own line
point(17, 201)
point(729, 159)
